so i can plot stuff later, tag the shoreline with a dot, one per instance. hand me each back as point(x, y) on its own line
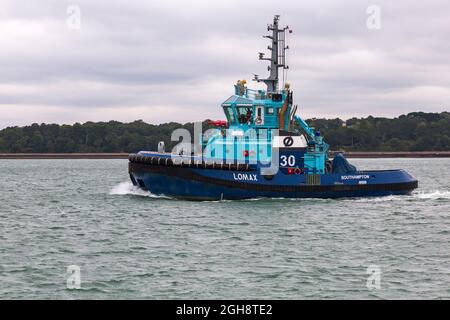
point(24, 156)
point(354, 154)
point(396, 154)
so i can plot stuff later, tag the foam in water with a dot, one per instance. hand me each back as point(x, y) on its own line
point(375, 199)
point(127, 188)
point(432, 195)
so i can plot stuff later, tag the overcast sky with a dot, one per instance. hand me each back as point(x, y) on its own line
point(175, 60)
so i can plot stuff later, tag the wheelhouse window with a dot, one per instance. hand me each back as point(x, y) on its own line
point(229, 114)
point(244, 114)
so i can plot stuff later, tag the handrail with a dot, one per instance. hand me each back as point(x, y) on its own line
point(251, 93)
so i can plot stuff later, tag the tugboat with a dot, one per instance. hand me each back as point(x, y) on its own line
point(263, 149)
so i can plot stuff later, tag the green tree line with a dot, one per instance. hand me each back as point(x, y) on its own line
point(417, 131)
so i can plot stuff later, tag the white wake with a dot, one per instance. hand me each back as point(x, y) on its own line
point(127, 188)
point(433, 195)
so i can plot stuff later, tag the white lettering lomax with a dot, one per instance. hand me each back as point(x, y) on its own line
point(245, 177)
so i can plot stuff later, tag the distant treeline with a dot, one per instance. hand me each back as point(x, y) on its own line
point(417, 131)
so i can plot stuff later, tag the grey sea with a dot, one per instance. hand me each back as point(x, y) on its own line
point(77, 229)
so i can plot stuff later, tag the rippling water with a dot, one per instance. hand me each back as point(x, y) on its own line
point(129, 244)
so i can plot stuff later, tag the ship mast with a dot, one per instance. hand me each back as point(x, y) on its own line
point(278, 54)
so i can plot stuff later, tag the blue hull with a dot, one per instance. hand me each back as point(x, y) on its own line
point(215, 184)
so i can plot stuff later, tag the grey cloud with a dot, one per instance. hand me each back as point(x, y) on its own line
point(182, 58)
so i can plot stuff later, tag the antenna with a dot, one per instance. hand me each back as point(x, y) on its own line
point(277, 58)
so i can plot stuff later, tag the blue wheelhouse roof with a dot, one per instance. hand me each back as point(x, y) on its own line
point(234, 99)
